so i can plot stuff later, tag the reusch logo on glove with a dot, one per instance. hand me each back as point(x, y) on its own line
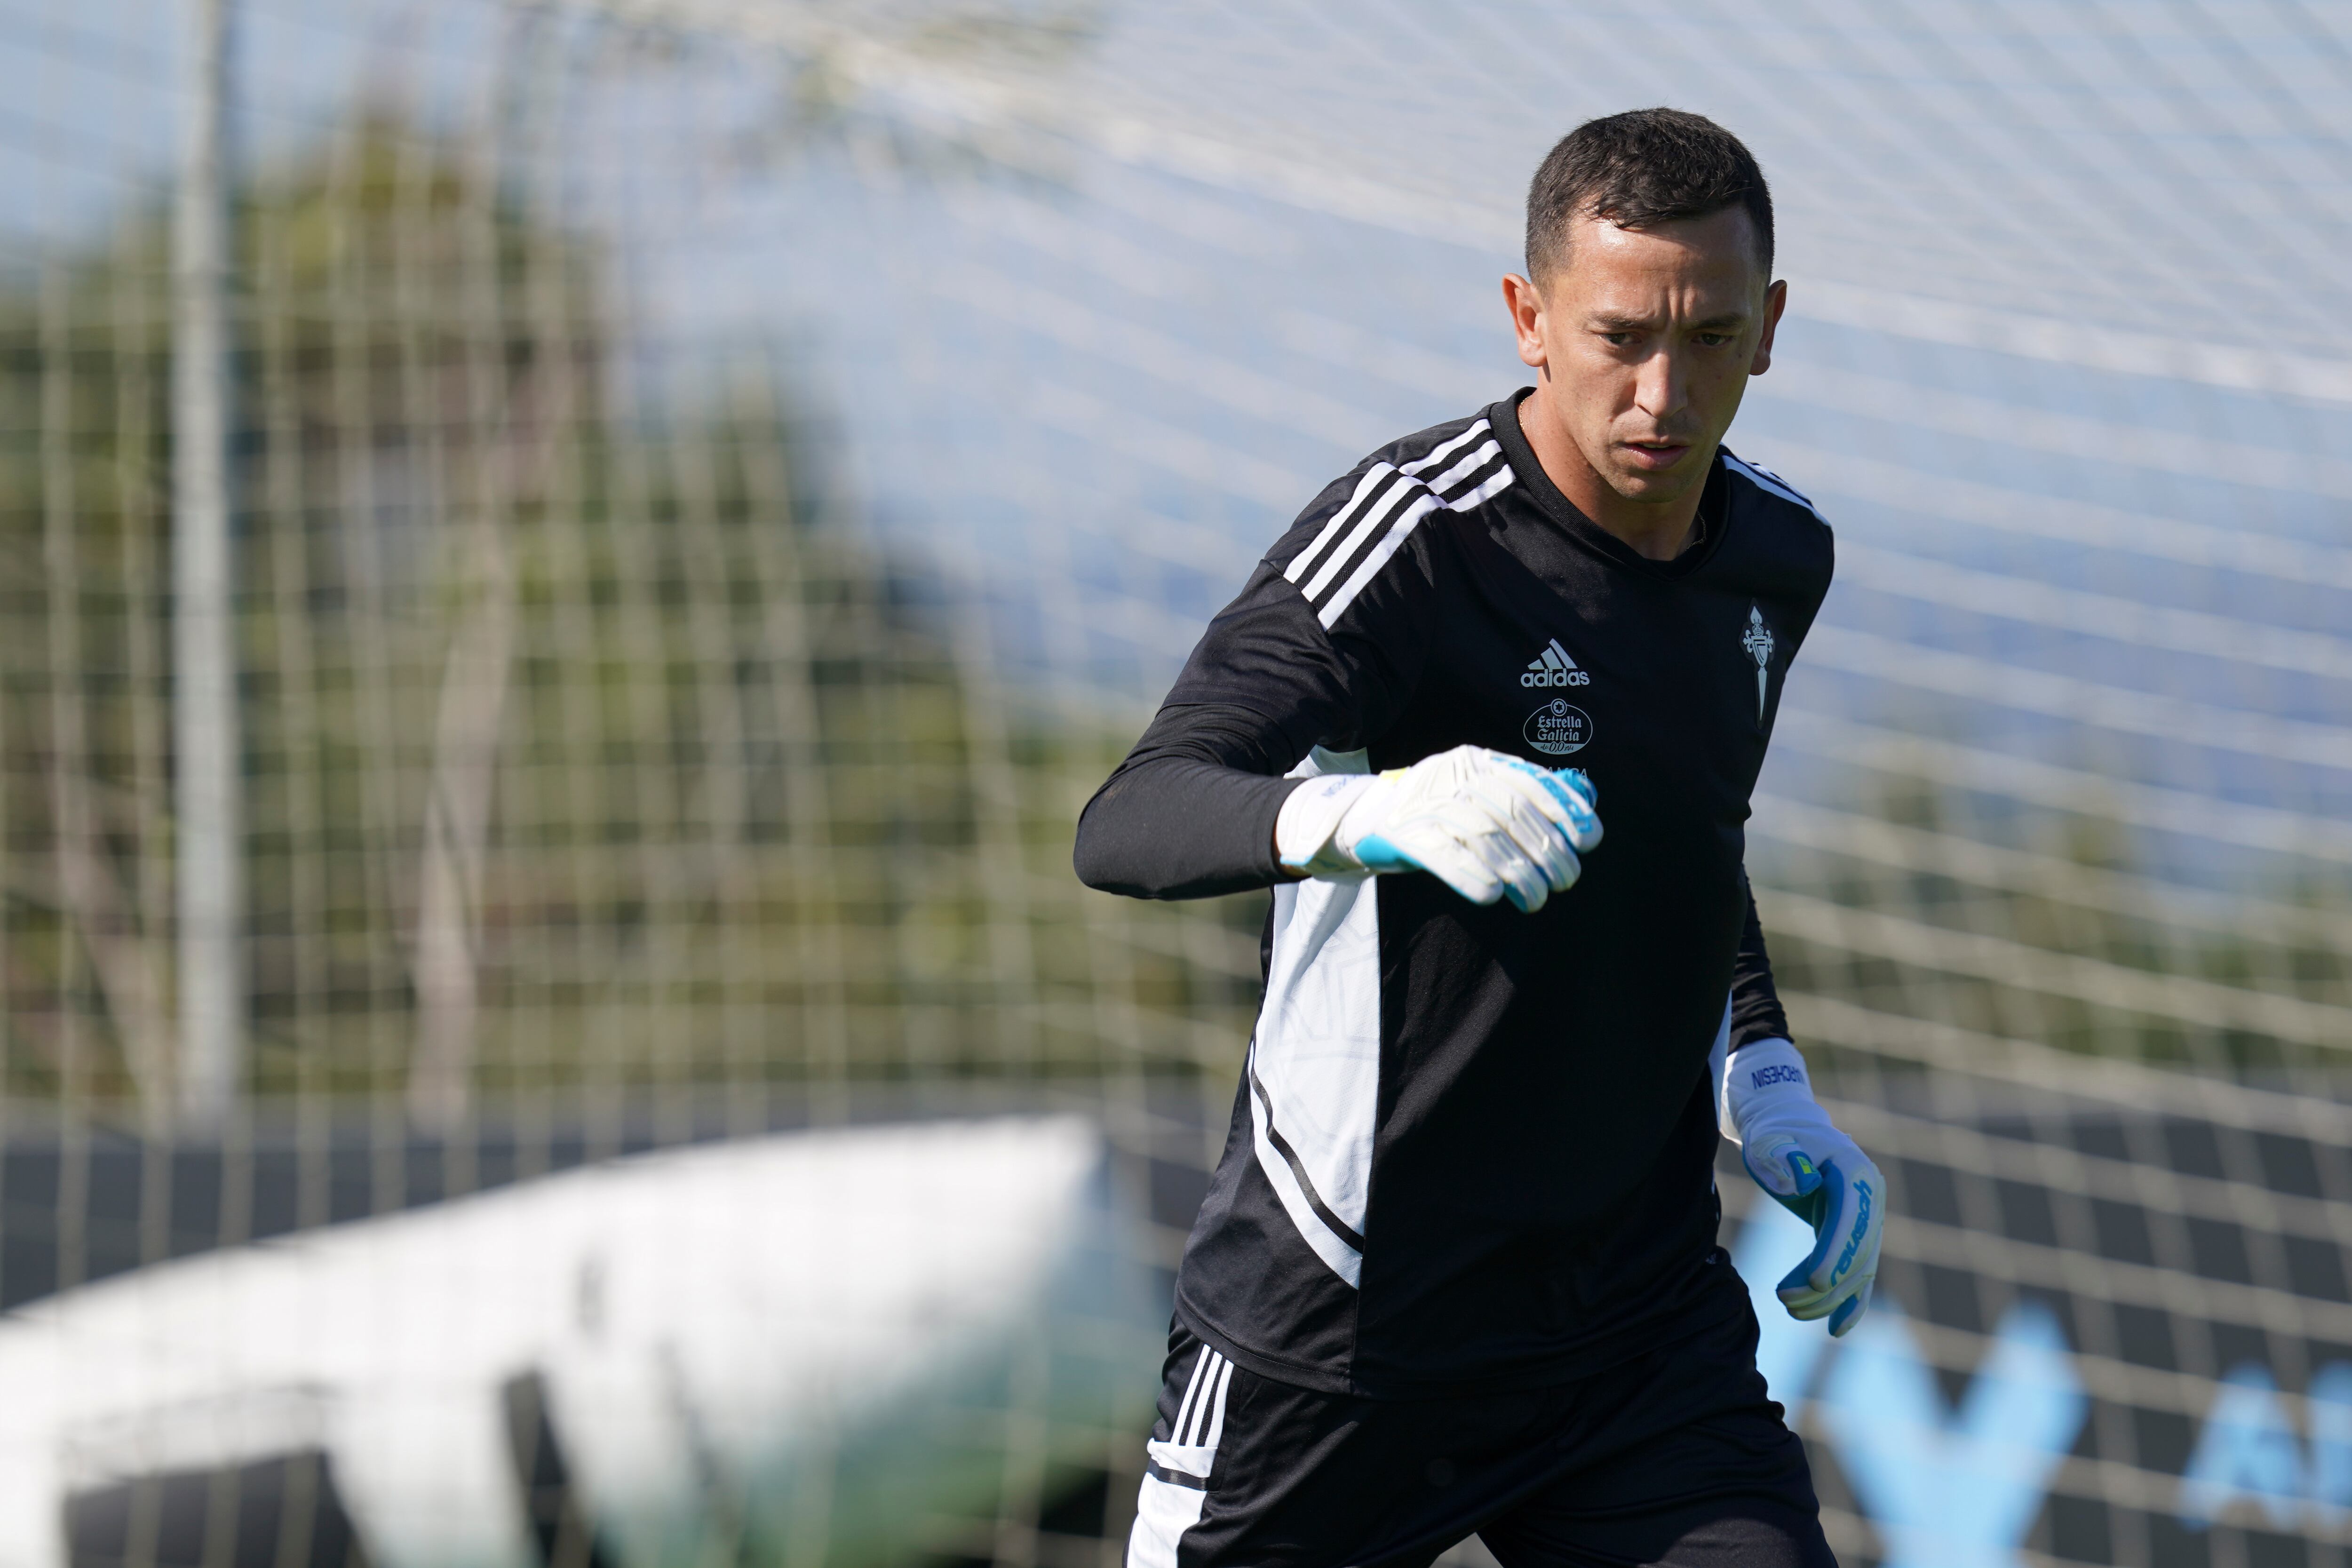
point(1860, 1226)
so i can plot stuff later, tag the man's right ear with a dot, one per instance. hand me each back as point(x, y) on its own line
point(1525, 306)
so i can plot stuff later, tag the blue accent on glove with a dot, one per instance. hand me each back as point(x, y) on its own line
point(1375, 853)
point(1811, 1204)
point(1806, 1205)
point(1572, 788)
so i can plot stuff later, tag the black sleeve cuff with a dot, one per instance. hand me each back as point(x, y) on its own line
point(1756, 1011)
point(1190, 813)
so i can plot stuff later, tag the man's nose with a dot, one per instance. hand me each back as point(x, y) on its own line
point(1660, 386)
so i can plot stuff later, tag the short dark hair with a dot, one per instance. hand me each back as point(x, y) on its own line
point(1643, 167)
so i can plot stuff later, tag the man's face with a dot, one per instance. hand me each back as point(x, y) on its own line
point(1647, 338)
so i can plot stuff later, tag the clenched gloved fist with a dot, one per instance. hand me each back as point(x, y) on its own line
point(1487, 824)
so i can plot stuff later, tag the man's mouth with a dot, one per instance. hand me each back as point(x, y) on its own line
point(1654, 454)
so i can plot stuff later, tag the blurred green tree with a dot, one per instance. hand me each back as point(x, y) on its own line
point(577, 754)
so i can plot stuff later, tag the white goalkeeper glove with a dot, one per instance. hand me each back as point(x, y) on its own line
point(1487, 824)
point(1764, 1102)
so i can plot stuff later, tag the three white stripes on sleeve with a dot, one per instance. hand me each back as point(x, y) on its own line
point(1387, 504)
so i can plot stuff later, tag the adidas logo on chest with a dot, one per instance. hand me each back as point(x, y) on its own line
point(1554, 668)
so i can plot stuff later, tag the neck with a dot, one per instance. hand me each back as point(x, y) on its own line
point(1659, 530)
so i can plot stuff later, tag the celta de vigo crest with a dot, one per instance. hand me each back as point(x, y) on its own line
point(1758, 640)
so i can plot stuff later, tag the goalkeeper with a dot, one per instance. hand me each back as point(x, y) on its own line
point(1457, 1270)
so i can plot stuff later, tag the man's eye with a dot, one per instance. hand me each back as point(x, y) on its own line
point(1617, 340)
point(1713, 339)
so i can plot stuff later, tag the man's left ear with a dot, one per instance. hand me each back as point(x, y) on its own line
point(1776, 300)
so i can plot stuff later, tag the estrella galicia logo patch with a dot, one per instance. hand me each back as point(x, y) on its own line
point(1559, 727)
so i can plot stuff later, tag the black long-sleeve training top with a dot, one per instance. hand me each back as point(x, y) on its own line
point(1473, 1148)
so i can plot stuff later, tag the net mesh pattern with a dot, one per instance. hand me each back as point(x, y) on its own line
point(715, 486)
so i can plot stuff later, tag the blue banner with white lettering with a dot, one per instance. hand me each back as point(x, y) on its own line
point(2100, 1335)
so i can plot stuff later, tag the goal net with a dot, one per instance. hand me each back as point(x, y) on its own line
point(711, 486)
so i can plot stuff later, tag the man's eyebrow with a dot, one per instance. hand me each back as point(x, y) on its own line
point(1610, 321)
